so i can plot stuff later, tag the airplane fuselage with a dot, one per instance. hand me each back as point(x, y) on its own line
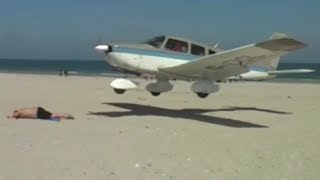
point(145, 61)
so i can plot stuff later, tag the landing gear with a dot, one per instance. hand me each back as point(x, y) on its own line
point(159, 87)
point(204, 87)
point(155, 93)
point(121, 85)
point(119, 91)
point(202, 95)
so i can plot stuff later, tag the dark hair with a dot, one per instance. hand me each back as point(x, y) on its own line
point(16, 115)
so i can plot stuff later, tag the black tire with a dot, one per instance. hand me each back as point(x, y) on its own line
point(155, 93)
point(119, 91)
point(202, 95)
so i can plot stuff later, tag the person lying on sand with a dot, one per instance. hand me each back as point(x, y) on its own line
point(38, 113)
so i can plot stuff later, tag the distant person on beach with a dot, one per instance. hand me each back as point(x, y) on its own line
point(60, 72)
point(63, 73)
point(38, 113)
point(66, 73)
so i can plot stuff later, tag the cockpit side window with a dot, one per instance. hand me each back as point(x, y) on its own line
point(211, 51)
point(156, 42)
point(197, 50)
point(177, 46)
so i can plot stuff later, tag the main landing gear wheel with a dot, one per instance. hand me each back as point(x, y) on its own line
point(119, 91)
point(155, 93)
point(202, 95)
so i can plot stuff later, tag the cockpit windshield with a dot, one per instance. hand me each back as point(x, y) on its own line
point(156, 41)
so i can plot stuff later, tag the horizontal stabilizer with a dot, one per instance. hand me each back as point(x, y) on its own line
point(291, 71)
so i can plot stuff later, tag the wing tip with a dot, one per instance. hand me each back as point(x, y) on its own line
point(283, 43)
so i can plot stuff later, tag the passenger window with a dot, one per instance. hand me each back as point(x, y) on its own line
point(197, 50)
point(177, 46)
point(211, 52)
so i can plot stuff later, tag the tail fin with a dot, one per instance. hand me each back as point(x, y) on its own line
point(277, 35)
point(274, 62)
point(271, 63)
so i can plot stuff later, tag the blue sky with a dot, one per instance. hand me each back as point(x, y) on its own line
point(63, 29)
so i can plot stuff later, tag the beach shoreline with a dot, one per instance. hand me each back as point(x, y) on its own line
point(121, 75)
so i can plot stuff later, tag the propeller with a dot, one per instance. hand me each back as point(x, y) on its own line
point(104, 49)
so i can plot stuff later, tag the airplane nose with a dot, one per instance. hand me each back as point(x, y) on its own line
point(104, 49)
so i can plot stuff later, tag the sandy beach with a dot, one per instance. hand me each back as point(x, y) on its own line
point(246, 131)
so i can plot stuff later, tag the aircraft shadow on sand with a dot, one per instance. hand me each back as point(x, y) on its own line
point(191, 114)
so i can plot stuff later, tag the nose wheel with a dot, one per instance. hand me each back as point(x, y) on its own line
point(119, 91)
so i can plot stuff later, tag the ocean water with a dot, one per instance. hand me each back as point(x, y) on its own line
point(100, 68)
point(85, 68)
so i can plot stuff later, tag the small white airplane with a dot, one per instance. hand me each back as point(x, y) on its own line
point(168, 58)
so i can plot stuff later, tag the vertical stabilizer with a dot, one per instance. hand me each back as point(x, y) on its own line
point(274, 62)
point(271, 63)
point(277, 35)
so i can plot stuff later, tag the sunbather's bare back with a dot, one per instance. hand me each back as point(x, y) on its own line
point(25, 113)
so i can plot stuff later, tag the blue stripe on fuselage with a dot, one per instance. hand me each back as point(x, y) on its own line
point(156, 53)
point(259, 69)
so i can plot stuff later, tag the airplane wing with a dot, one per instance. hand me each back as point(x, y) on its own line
point(233, 62)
